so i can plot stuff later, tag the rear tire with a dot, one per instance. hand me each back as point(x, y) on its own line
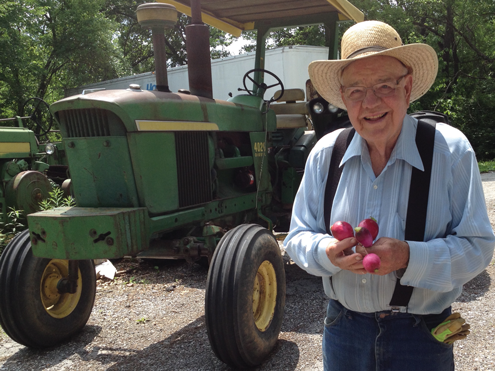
point(245, 296)
point(32, 311)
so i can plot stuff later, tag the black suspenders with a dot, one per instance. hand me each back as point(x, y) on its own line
point(418, 194)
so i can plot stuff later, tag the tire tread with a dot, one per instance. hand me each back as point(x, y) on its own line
point(225, 300)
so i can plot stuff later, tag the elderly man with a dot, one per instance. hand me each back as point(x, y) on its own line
point(375, 81)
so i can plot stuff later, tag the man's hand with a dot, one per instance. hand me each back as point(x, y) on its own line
point(341, 255)
point(394, 254)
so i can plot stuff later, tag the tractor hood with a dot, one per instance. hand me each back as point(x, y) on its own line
point(142, 110)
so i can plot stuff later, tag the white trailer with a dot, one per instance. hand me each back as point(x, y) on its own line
point(289, 63)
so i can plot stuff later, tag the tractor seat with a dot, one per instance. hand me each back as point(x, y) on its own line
point(292, 112)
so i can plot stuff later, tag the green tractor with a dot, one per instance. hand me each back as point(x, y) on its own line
point(26, 162)
point(176, 175)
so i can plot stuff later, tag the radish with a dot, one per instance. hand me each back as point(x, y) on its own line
point(341, 230)
point(371, 225)
point(371, 262)
point(363, 235)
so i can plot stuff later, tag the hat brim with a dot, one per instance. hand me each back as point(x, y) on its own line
point(421, 58)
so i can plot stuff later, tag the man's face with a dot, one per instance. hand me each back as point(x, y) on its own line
point(378, 120)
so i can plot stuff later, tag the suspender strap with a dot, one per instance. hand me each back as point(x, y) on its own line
point(418, 202)
point(335, 172)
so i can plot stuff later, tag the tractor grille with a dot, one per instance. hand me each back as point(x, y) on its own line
point(193, 169)
point(90, 122)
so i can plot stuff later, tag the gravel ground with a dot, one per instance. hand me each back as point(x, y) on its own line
point(152, 318)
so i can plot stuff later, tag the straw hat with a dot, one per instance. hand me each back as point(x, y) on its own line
point(372, 38)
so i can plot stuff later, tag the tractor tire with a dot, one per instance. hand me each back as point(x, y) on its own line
point(32, 311)
point(245, 296)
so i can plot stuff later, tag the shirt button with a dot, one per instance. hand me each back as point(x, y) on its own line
point(375, 186)
point(363, 280)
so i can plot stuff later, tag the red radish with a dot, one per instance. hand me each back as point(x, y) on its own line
point(363, 235)
point(371, 262)
point(341, 230)
point(371, 225)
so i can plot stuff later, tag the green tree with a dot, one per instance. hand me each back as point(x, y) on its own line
point(48, 45)
point(135, 41)
point(305, 35)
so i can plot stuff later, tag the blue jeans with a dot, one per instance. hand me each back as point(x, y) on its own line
point(383, 341)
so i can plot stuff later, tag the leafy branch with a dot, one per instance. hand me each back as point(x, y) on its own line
point(56, 199)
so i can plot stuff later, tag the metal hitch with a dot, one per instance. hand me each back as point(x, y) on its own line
point(69, 283)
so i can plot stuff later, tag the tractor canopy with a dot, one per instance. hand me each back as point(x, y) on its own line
point(244, 15)
point(264, 15)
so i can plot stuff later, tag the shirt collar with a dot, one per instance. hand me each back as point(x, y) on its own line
point(405, 148)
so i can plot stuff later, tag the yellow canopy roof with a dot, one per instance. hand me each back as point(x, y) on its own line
point(235, 16)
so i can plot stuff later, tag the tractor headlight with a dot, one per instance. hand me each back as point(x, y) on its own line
point(318, 108)
point(332, 108)
point(50, 148)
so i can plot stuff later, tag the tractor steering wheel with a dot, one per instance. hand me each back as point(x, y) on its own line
point(39, 112)
point(263, 85)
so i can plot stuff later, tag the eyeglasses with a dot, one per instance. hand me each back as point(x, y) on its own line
point(381, 90)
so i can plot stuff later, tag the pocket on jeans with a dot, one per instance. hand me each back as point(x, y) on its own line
point(335, 311)
point(429, 322)
point(433, 320)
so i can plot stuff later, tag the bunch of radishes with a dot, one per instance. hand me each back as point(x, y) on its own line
point(366, 232)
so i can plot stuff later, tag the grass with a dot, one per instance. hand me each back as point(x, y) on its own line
point(486, 166)
point(134, 280)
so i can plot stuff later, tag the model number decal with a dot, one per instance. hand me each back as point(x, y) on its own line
point(259, 149)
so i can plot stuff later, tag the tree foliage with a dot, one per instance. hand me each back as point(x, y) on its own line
point(135, 42)
point(51, 44)
point(305, 35)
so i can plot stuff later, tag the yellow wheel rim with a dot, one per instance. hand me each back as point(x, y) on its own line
point(56, 304)
point(264, 295)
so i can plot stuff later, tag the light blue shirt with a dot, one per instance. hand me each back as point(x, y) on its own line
point(460, 239)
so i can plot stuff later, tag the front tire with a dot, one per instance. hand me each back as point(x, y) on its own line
point(32, 311)
point(245, 296)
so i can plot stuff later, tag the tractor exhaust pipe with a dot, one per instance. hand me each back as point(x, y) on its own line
point(157, 17)
point(198, 54)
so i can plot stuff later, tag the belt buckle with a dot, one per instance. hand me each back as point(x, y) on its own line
point(396, 310)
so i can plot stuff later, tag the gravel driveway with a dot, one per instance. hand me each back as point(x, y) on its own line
point(152, 318)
